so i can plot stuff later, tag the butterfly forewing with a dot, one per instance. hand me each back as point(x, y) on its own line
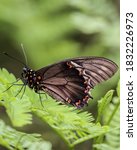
point(69, 81)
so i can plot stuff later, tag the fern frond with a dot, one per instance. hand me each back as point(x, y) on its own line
point(103, 103)
point(72, 125)
point(17, 109)
point(13, 139)
point(113, 108)
point(111, 117)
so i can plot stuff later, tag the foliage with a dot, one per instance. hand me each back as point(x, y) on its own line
point(66, 27)
point(112, 119)
point(74, 126)
point(102, 104)
point(13, 139)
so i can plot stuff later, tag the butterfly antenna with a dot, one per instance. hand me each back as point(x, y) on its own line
point(14, 58)
point(24, 53)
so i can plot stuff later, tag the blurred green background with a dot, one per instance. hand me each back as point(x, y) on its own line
point(52, 30)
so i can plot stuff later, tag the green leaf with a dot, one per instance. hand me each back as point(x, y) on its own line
point(17, 109)
point(111, 117)
point(72, 125)
point(13, 139)
point(19, 112)
point(118, 89)
point(103, 103)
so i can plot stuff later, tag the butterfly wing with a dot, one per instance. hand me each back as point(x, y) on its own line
point(69, 81)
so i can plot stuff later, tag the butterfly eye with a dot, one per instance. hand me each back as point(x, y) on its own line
point(25, 70)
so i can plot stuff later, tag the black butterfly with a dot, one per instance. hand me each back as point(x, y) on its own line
point(69, 81)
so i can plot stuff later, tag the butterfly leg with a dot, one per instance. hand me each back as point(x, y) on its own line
point(45, 95)
point(21, 90)
point(40, 99)
point(13, 83)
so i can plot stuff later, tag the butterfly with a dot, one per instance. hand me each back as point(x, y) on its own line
point(69, 81)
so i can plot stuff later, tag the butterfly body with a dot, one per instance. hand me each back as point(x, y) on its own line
point(70, 81)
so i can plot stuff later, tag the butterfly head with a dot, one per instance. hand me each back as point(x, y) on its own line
point(27, 72)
